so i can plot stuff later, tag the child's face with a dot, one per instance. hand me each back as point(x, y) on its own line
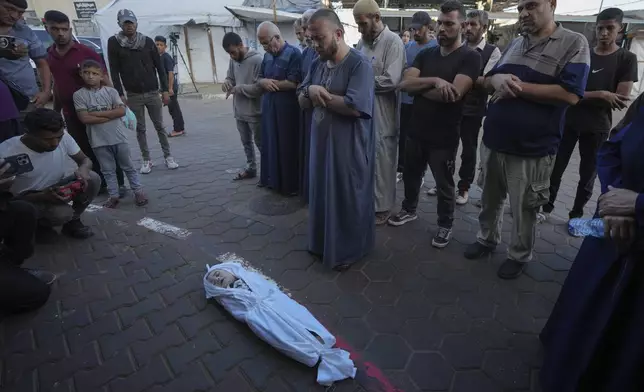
point(161, 46)
point(92, 76)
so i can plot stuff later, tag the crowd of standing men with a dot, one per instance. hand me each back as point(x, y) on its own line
point(337, 125)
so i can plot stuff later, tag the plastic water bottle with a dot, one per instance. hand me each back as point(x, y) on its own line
point(580, 227)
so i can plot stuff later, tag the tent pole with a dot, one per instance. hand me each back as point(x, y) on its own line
point(275, 11)
point(212, 54)
point(185, 34)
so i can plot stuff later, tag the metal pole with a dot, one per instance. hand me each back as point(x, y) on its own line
point(601, 4)
point(274, 11)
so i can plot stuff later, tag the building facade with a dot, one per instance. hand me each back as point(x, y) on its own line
point(79, 12)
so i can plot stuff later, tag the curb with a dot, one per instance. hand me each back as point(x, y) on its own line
point(203, 96)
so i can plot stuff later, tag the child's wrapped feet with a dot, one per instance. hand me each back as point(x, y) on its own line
point(111, 202)
point(140, 198)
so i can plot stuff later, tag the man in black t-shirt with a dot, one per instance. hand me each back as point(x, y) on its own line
point(173, 88)
point(438, 80)
point(612, 73)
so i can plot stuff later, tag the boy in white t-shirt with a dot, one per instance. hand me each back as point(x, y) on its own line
point(100, 108)
point(49, 148)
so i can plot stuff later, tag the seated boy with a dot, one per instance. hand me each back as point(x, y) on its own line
point(100, 108)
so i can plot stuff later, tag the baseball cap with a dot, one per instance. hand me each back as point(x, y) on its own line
point(126, 15)
point(419, 19)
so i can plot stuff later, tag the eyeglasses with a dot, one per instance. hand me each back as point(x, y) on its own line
point(266, 45)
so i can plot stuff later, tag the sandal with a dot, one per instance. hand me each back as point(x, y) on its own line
point(111, 202)
point(140, 199)
point(245, 175)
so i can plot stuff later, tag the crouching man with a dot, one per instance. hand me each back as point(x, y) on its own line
point(49, 186)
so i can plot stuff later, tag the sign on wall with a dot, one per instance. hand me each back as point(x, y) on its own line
point(85, 9)
point(85, 27)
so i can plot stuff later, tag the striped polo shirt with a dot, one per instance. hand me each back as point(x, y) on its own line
point(525, 127)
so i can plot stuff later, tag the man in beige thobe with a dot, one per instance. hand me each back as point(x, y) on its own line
point(387, 54)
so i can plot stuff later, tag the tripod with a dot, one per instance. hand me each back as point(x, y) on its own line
point(174, 50)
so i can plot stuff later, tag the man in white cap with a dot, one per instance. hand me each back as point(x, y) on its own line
point(386, 52)
point(134, 65)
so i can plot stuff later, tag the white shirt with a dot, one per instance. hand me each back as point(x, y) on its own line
point(49, 167)
point(494, 57)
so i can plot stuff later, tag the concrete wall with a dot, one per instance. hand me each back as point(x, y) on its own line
point(82, 26)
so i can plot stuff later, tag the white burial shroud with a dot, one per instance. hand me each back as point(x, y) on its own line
point(281, 322)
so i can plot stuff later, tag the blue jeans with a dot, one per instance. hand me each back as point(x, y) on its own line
point(109, 158)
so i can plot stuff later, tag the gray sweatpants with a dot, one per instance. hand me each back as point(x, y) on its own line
point(249, 131)
point(526, 180)
point(152, 101)
point(109, 157)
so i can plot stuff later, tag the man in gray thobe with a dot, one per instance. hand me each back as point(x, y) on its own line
point(387, 54)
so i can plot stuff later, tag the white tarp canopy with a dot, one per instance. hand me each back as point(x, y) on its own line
point(158, 17)
point(253, 14)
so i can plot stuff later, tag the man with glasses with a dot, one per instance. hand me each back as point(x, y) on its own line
point(279, 75)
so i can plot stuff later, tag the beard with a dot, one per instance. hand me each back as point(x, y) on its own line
point(329, 52)
point(446, 41)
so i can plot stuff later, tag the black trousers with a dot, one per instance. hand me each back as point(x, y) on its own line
point(405, 122)
point(441, 162)
point(19, 290)
point(470, 128)
point(77, 130)
point(589, 144)
point(175, 112)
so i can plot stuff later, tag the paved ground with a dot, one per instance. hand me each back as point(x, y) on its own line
point(128, 312)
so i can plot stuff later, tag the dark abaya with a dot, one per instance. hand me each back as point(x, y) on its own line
point(308, 56)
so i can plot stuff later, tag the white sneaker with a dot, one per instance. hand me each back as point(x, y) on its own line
point(146, 168)
point(542, 217)
point(398, 177)
point(171, 163)
point(462, 198)
point(432, 191)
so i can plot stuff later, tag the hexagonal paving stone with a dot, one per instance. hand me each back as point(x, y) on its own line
point(352, 305)
point(280, 235)
point(476, 306)
point(423, 334)
point(389, 352)
point(539, 272)
point(295, 279)
point(535, 305)
point(298, 259)
point(409, 281)
point(384, 319)
point(356, 332)
point(452, 319)
point(475, 380)
point(515, 319)
point(379, 271)
point(430, 371)
point(555, 262)
point(352, 281)
point(319, 292)
point(441, 293)
point(529, 348)
point(411, 306)
point(234, 235)
point(507, 368)
point(490, 334)
point(254, 242)
point(382, 293)
point(462, 351)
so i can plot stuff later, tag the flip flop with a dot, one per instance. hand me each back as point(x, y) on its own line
point(244, 175)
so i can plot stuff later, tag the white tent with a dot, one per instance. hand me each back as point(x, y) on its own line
point(208, 21)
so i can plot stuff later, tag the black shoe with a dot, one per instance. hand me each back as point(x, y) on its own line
point(575, 214)
point(477, 251)
point(510, 269)
point(76, 229)
point(441, 239)
point(402, 217)
point(44, 276)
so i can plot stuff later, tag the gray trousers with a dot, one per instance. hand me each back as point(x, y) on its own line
point(53, 215)
point(526, 180)
point(249, 131)
point(111, 157)
point(152, 101)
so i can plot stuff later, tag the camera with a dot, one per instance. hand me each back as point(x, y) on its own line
point(174, 36)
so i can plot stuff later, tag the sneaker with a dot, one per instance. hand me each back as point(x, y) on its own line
point(171, 163)
point(432, 191)
point(478, 203)
point(76, 229)
point(477, 251)
point(542, 217)
point(382, 217)
point(140, 199)
point(422, 183)
point(146, 168)
point(462, 197)
point(402, 217)
point(441, 239)
point(398, 177)
point(510, 269)
point(44, 276)
point(111, 202)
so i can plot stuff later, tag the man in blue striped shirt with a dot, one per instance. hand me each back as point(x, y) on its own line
point(541, 73)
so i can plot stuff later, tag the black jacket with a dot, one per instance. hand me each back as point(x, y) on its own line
point(135, 70)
